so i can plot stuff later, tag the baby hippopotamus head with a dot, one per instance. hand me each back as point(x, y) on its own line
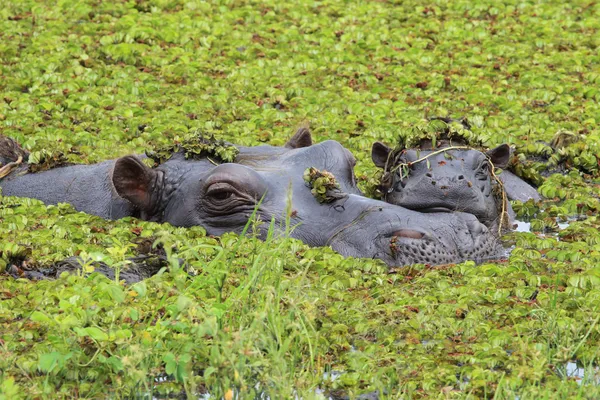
point(444, 179)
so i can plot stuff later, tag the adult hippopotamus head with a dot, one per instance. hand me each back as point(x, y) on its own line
point(269, 181)
point(443, 178)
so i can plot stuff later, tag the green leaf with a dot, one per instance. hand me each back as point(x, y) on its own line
point(115, 292)
point(40, 317)
point(49, 361)
point(115, 363)
point(183, 303)
point(9, 389)
point(140, 288)
point(170, 363)
point(93, 332)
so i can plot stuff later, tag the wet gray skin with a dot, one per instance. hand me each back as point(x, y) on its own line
point(452, 180)
point(222, 198)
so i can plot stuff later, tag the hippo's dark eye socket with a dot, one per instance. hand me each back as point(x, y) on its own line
point(483, 170)
point(222, 195)
point(220, 191)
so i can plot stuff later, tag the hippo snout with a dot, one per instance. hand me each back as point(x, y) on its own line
point(433, 193)
point(401, 237)
point(476, 228)
point(445, 181)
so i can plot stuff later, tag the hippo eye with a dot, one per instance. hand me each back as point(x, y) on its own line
point(221, 195)
point(483, 169)
point(220, 191)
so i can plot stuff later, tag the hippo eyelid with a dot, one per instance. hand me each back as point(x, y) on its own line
point(223, 191)
point(219, 188)
point(479, 161)
point(243, 181)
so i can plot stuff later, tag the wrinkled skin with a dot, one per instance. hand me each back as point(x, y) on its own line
point(452, 180)
point(222, 198)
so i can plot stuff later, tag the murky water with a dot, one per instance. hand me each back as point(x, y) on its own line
point(524, 226)
point(330, 376)
point(589, 375)
point(570, 370)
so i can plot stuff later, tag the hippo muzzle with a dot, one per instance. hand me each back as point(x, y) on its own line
point(402, 237)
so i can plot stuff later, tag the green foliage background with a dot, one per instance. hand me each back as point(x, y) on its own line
point(95, 80)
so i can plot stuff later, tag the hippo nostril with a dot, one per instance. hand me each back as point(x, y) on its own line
point(461, 177)
point(409, 233)
point(429, 175)
point(476, 228)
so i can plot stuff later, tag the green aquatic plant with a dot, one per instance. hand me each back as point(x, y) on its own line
point(44, 160)
point(99, 80)
point(196, 146)
point(323, 185)
point(439, 129)
point(537, 161)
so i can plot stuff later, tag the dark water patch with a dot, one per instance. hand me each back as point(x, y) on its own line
point(166, 387)
point(138, 268)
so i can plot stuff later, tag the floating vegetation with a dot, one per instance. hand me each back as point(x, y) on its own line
point(44, 160)
point(323, 185)
point(566, 151)
point(435, 131)
point(197, 146)
point(269, 318)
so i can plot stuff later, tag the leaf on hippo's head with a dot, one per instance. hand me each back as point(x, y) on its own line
point(196, 146)
point(323, 185)
point(44, 160)
point(437, 132)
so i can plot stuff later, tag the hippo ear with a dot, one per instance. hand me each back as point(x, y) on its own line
point(135, 182)
point(499, 155)
point(301, 138)
point(380, 154)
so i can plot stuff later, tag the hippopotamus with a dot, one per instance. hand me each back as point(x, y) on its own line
point(262, 180)
point(451, 177)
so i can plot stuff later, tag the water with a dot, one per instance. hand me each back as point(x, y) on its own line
point(330, 376)
point(588, 375)
point(574, 371)
point(564, 225)
point(522, 226)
